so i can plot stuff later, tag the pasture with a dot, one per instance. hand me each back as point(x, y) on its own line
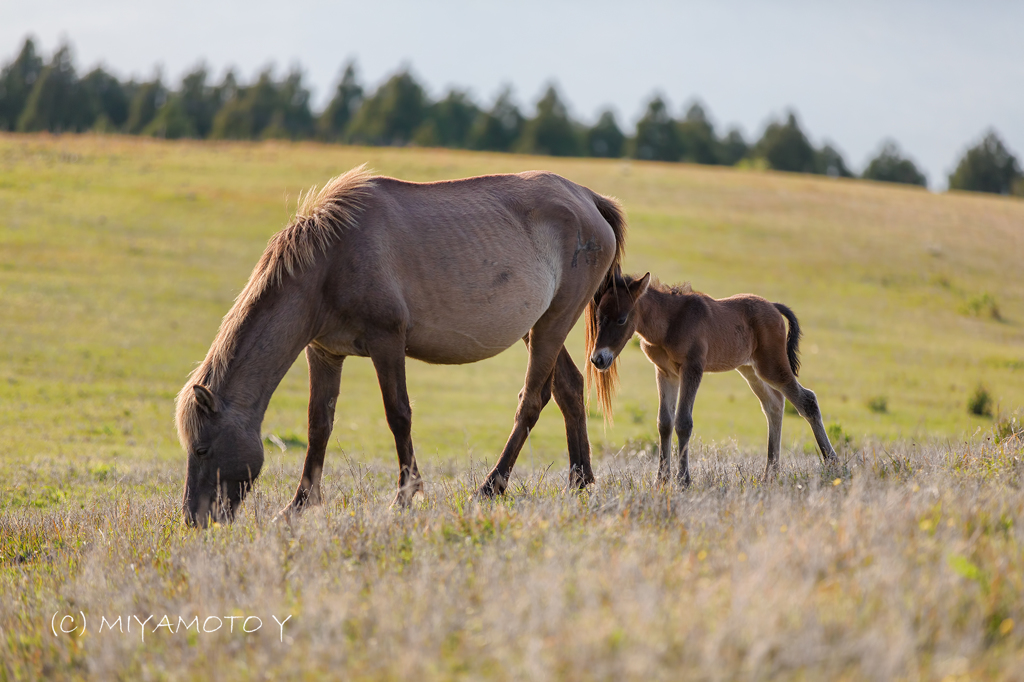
point(119, 256)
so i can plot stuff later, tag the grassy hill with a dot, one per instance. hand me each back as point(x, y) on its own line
point(118, 257)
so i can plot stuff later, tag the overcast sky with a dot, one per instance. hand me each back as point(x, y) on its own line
point(933, 75)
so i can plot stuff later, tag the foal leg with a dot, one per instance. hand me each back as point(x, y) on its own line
point(568, 391)
point(692, 374)
point(545, 344)
point(388, 356)
point(772, 405)
point(324, 382)
point(806, 403)
point(668, 396)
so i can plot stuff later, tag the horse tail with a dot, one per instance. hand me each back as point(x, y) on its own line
point(792, 339)
point(607, 381)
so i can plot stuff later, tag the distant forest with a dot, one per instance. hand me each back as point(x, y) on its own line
point(41, 95)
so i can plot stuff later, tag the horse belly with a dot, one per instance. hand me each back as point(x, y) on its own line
point(471, 326)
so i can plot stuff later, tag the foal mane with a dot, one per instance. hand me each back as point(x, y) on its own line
point(320, 220)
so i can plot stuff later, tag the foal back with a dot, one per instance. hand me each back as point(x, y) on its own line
point(727, 333)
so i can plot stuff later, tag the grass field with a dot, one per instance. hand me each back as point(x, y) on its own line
point(118, 257)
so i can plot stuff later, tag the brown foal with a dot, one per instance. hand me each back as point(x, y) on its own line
point(686, 333)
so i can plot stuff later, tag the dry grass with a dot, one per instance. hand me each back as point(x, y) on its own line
point(119, 256)
point(906, 562)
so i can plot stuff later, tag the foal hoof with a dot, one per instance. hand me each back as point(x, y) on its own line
point(287, 513)
point(403, 498)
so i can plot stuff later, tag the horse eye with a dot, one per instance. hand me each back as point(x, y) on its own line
point(202, 452)
point(622, 320)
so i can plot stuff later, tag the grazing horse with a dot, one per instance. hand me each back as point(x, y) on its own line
point(686, 333)
point(445, 272)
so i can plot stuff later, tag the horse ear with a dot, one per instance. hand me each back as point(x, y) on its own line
point(639, 287)
point(206, 399)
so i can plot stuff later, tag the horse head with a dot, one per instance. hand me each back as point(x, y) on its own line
point(225, 455)
point(617, 318)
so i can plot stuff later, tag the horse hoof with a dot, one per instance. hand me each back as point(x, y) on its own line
point(492, 487)
point(287, 513)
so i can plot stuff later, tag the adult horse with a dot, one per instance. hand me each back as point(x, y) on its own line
point(445, 272)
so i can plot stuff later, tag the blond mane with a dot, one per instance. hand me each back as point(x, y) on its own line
point(320, 220)
point(673, 289)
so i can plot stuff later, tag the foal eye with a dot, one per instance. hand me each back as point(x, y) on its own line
point(622, 320)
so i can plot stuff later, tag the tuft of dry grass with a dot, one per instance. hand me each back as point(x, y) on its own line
point(906, 561)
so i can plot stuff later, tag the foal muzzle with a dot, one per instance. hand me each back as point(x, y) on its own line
point(602, 359)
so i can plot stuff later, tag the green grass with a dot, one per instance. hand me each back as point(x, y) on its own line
point(118, 257)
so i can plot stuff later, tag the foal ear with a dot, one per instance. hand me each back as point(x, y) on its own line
point(206, 399)
point(639, 287)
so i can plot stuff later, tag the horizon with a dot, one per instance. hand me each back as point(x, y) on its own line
point(932, 77)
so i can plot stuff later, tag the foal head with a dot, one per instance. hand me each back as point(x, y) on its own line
point(616, 318)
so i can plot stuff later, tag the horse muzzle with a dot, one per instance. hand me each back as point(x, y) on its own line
point(602, 359)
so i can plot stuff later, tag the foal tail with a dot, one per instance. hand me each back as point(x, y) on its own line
point(792, 339)
point(607, 381)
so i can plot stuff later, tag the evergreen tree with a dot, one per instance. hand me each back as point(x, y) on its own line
point(785, 147)
point(16, 82)
point(106, 99)
point(172, 120)
point(146, 101)
point(348, 96)
point(497, 129)
point(392, 114)
point(56, 102)
point(605, 139)
point(657, 135)
point(988, 167)
point(828, 161)
point(697, 137)
point(733, 148)
point(448, 122)
point(292, 108)
point(199, 101)
point(550, 132)
point(891, 166)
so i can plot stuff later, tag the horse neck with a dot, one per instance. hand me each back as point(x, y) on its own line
point(269, 339)
point(651, 316)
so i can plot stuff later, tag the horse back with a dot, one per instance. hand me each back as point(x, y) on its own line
point(469, 266)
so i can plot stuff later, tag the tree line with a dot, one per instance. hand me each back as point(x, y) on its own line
point(39, 95)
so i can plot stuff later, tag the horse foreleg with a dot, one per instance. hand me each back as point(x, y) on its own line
point(324, 382)
point(772, 405)
point(668, 396)
point(568, 390)
point(692, 374)
point(389, 361)
point(544, 350)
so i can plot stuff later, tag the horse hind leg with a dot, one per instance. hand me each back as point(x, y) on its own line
point(324, 383)
point(772, 405)
point(568, 387)
point(545, 343)
point(806, 404)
